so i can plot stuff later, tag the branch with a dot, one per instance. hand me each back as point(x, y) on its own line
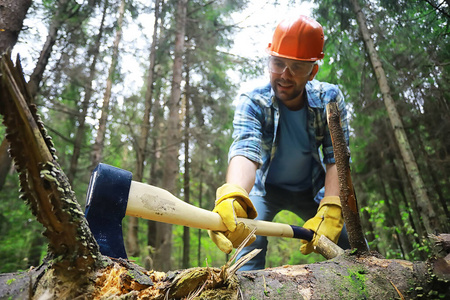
point(347, 193)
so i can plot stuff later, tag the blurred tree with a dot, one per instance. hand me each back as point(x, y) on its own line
point(60, 13)
point(187, 164)
point(12, 14)
point(140, 142)
point(97, 151)
point(80, 135)
point(414, 59)
point(163, 252)
point(429, 216)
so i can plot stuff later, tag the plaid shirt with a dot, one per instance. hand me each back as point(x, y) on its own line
point(256, 122)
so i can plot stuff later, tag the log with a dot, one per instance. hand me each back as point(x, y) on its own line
point(347, 276)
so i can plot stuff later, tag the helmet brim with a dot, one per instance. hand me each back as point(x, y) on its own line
point(273, 53)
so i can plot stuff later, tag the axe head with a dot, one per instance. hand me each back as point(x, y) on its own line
point(106, 205)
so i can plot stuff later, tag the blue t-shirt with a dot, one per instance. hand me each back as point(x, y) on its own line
point(290, 167)
point(256, 122)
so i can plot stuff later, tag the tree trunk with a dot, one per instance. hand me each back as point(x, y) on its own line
point(72, 250)
point(199, 233)
point(155, 175)
point(440, 204)
point(423, 202)
point(145, 127)
point(97, 152)
point(369, 230)
point(164, 246)
point(81, 128)
point(141, 144)
point(12, 14)
point(187, 167)
point(405, 187)
point(345, 277)
point(5, 162)
point(388, 222)
point(405, 194)
point(154, 171)
point(55, 25)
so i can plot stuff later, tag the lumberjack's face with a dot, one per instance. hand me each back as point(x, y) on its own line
point(288, 78)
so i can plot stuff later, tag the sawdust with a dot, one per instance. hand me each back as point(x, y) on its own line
point(111, 283)
point(118, 281)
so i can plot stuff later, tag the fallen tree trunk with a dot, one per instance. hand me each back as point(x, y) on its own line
point(345, 277)
point(75, 269)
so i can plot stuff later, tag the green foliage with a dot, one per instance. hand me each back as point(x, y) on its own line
point(285, 251)
point(18, 230)
point(411, 39)
point(382, 229)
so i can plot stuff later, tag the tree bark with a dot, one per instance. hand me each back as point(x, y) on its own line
point(97, 152)
point(423, 202)
point(12, 14)
point(72, 249)
point(347, 195)
point(170, 158)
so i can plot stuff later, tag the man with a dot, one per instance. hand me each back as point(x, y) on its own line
point(274, 161)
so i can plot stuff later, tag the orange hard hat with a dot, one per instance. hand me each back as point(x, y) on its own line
point(298, 38)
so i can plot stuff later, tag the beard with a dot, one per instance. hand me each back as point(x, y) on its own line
point(286, 90)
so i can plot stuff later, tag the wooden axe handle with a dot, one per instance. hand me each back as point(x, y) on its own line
point(153, 203)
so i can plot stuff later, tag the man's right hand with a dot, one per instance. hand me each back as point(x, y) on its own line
point(232, 202)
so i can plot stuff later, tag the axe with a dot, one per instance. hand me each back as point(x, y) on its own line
point(112, 194)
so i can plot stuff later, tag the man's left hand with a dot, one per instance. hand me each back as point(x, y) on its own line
point(328, 221)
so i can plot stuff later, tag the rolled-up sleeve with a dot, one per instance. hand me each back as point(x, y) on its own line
point(247, 132)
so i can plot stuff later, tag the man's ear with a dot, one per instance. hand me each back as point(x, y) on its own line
point(314, 72)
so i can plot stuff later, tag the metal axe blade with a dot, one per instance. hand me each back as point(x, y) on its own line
point(106, 204)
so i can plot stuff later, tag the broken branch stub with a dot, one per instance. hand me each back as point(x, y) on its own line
point(346, 190)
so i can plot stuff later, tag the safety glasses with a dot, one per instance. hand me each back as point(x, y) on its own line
point(301, 69)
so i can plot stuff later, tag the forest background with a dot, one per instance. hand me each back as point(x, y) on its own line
point(148, 86)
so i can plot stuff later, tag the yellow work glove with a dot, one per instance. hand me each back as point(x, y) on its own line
point(232, 202)
point(328, 221)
